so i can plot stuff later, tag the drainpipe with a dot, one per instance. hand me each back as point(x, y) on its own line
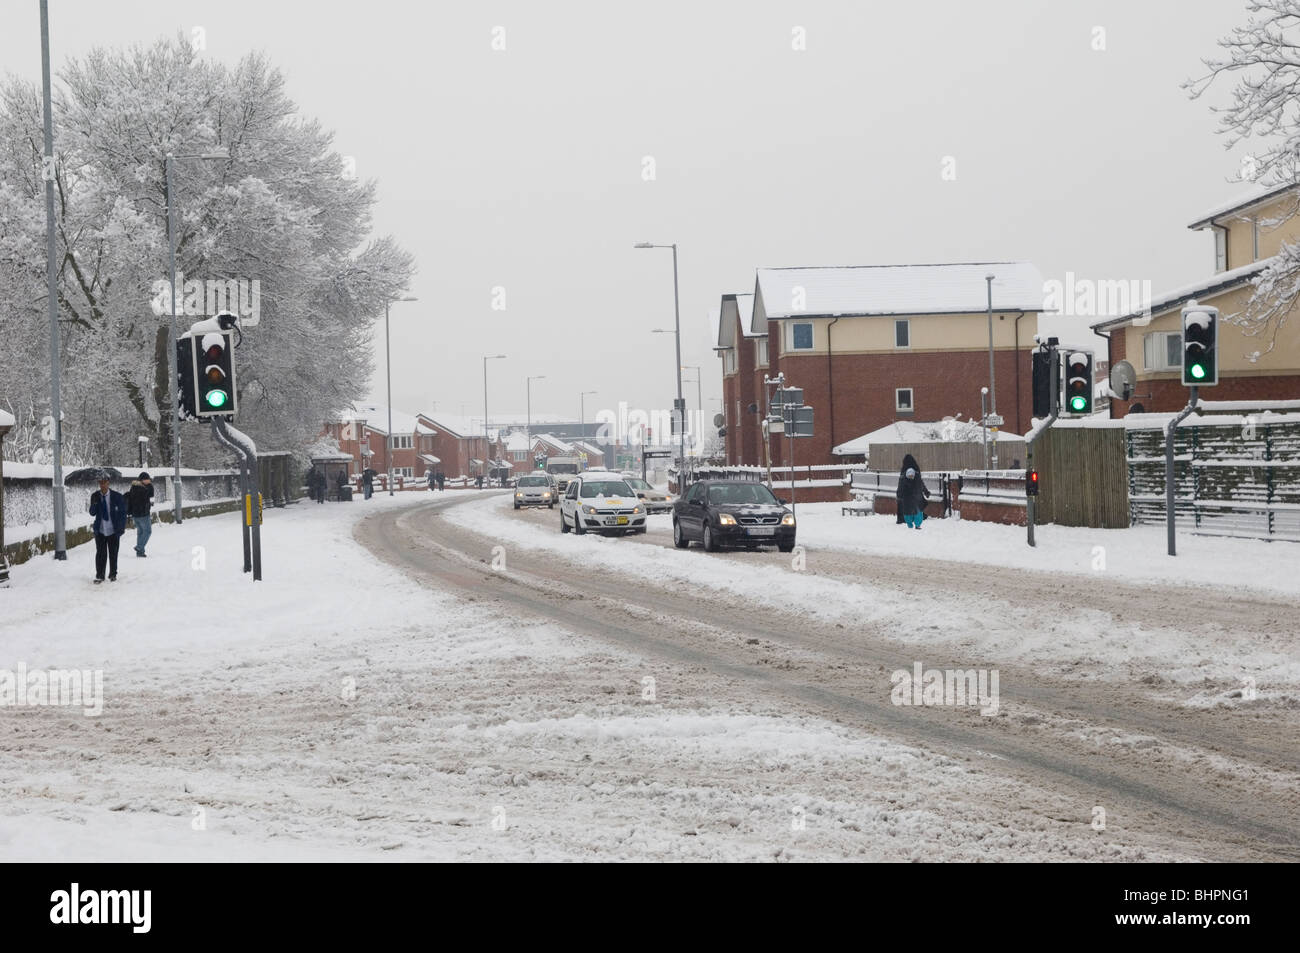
point(1110, 401)
point(1019, 428)
point(830, 386)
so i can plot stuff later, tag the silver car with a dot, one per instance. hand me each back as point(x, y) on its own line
point(535, 489)
point(655, 501)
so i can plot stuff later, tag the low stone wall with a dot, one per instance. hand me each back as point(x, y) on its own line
point(20, 552)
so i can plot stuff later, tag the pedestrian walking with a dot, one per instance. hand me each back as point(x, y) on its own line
point(139, 502)
point(442, 481)
point(368, 482)
point(316, 484)
point(108, 507)
point(339, 484)
point(912, 493)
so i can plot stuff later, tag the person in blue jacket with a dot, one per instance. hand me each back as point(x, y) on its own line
point(108, 507)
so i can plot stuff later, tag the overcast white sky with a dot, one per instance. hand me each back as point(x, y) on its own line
point(522, 168)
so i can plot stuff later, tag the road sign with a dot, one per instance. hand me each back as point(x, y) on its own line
point(799, 420)
point(792, 396)
point(994, 420)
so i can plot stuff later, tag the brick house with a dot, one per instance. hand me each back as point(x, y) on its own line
point(459, 445)
point(361, 435)
point(1248, 233)
point(877, 343)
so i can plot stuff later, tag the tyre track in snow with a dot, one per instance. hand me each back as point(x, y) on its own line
point(826, 670)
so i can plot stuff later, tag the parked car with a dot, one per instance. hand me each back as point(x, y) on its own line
point(536, 489)
point(732, 513)
point(655, 501)
point(599, 501)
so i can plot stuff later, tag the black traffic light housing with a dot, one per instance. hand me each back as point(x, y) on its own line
point(1031, 482)
point(185, 406)
point(1045, 386)
point(1076, 400)
point(214, 374)
point(1200, 345)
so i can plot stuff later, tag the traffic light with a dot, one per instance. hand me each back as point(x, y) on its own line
point(1200, 345)
point(214, 372)
point(1045, 395)
point(1031, 482)
point(185, 378)
point(1078, 383)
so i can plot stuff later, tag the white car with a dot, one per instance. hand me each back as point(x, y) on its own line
point(598, 501)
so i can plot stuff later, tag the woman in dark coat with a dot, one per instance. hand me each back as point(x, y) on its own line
point(912, 493)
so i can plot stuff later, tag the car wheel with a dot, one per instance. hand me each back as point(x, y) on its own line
point(516, 506)
point(710, 544)
point(578, 528)
point(679, 540)
point(550, 506)
point(639, 530)
point(564, 527)
point(785, 547)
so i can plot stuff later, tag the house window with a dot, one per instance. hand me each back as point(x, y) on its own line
point(801, 336)
point(1220, 249)
point(404, 471)
point(903, 400)
point(729, 361)
point(902, 333)
point(520, 455)
point(398, 442)
point(762, 352)
point(1162, 351)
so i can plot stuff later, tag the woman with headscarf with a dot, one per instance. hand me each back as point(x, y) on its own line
point(912, 493)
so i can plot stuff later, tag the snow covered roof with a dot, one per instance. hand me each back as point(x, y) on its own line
point(554, 442)
point(376, 418)
point(6, 419)
point(899, 289)
point(916, 431)
point(518, 442)
point(1253, 194)
point(590, 449)
point(455, 425)
point(1221, 282)
point(430, 458)
point(744, 305)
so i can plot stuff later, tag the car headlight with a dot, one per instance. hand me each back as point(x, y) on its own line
point(787, 520)
point(518, 494)
point(726, 519)
point(546, 495)
point(636, 510)
point(589, 509)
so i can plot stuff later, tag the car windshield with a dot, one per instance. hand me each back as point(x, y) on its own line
point(596, 488)
point(639, 484)
point(533, 481)
point(741, 493)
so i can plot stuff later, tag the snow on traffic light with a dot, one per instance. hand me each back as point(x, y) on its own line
point(214, 375)
point(1200, 345)
point(1078, 383)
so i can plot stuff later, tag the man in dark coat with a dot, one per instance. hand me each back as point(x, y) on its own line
point(912, 493)
point(108, 507)
point(368, 482)
point(139, 500)
point(442, 480)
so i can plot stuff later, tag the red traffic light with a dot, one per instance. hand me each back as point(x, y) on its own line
point(1031, 482)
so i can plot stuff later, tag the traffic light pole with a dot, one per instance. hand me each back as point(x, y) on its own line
point(249, 497)
point(1169, 466)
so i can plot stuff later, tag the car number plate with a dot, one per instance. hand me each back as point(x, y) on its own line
point(762, 531)
point(622, 521)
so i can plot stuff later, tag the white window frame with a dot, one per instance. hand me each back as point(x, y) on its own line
point(911, 400)
point(1254, 237)
point(729, 361)
point(812, 346)
point(1220, 249)
point(400, 442)
point(907, 324)
point(1162, 351)
point(761, 351)
point(408, 472)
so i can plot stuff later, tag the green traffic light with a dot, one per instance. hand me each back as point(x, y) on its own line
point(216, 398)
point(1078, 403)
point(1198, 371)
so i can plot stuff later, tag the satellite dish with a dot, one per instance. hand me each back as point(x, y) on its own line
point(1123, 379)
point(719, 420)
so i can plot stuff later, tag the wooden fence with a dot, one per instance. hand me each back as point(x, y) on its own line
point(1083, 476)
point(950, 457)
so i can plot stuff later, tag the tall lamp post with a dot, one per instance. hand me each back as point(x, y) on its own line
point(528, 429)
point(993, 391)
point(677, 313)
point(582, 414)
point(388, 373)
point(172, 336)
point(487, 440)
point(52, 293)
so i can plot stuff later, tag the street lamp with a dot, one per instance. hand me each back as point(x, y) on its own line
point(173, 337)
point(487, 441)
point(680, 405)
point(388, 373)
point(993, 391)
point(582, 413)
point(528, 429)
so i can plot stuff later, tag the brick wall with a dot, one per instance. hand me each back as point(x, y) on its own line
point(1168, 395)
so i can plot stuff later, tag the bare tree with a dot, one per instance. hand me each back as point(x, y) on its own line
point(1263, 59)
